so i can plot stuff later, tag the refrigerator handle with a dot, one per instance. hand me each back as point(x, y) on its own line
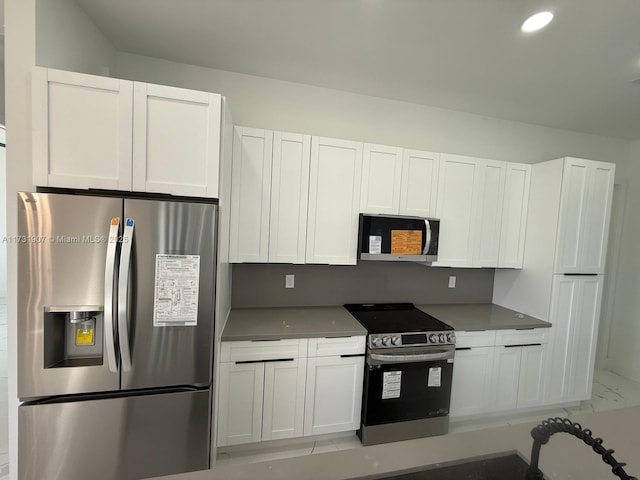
point(123, 295)
point(109, 279)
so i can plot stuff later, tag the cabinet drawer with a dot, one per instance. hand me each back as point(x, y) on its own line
point(522, 337)
point(328, 346)
point(256, 350)
point(483, 338)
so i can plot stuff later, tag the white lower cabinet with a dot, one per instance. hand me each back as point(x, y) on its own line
point(261, 391)
point(470, 387)
point(575, 311)
point(334, 394)
point(498, 371)
point(272, 390)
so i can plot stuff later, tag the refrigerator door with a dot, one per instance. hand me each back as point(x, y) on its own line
point(115, 438)
point(62, 255)
point(166, 294)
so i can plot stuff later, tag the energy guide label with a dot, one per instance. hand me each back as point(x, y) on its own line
point(391, 382)
point(435, 377)
point(176, 290)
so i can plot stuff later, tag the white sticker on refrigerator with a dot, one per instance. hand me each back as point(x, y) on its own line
point(435, 376)
point(175, 300)
point(391, 382)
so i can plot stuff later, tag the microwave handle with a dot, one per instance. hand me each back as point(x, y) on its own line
point(427, 243)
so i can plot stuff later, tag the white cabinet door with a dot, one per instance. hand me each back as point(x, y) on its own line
point(505, 375)
point(457, 206)
point(334, 200)
point(250, 195)
point(283, 407)
point(489, 222)
point(575, 312)
point(471, 382)
point(176, 140)
point(583, 337)
point(381, 178)
point(289, 197)
point(573, 210)
point(240, 408)
point(598, 217)
point(532, 375)
point(81, 130)
point(514, 215)
point(419, 189)
point(334, 394)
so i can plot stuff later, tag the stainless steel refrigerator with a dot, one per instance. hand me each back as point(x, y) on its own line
point(115, 336)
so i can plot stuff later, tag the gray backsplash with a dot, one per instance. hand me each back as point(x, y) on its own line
point(262, 285)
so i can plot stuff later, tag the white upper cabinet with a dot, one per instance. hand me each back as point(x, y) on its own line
point(585, 212)
point(399, 181)
point(289, 197)
point(457, 207)
point(269, 196)
point(250, 195)
point(334, 201)
point(419, 190)
point(490, 204)
point(381, 179)
point(82, 128)
point(105, 133)
point(176, 140)
point(514, 215)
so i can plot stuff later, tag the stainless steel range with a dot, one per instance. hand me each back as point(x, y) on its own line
point(408, 370)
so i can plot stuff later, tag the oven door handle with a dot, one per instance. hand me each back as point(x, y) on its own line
point(380, 358)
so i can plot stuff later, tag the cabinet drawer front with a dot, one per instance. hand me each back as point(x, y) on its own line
point(484, 338)
point(327, 346)
point(256, 350)
point(522, 337)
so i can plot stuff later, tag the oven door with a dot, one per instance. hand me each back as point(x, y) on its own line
point(407, 384)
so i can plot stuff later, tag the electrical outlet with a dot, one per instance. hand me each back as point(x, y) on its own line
point(289, 281)
point(452, 282)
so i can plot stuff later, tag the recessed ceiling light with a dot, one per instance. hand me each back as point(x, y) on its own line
point(536, 22)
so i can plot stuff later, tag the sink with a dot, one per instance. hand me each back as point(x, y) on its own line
point(499, 466)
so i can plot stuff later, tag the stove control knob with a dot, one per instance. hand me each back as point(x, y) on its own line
point(395, 340)
point(433, 338)
point(450, 338)
point(443, 338)
point(376, 341)
point(386, 341)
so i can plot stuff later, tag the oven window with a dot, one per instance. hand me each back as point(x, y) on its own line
point(406, 391)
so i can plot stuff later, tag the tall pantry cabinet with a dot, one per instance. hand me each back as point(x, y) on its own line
point(567, 233)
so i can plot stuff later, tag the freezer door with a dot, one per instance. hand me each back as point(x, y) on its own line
point(115, 438)
point(167, 293)
point(62, 250)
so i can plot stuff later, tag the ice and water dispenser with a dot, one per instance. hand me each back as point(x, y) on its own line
point(73, 336)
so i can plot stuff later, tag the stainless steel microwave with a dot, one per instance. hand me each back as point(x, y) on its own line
point(398, 238)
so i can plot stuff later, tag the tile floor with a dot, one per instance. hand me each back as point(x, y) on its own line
point(610, 391)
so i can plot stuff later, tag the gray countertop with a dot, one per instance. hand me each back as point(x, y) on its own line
point(309, 322)
point(485, 316)
point(291, 322)
point(563, 458)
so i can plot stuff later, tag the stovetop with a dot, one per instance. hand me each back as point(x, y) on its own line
point(395, 318)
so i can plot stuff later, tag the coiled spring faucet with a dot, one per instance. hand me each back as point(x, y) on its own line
point(543, 432)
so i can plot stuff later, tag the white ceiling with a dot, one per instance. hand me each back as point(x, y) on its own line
point(466, 55)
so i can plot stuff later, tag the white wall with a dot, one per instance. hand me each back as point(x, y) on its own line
point(267, 103)
point(623, 354)
point(68, 40)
